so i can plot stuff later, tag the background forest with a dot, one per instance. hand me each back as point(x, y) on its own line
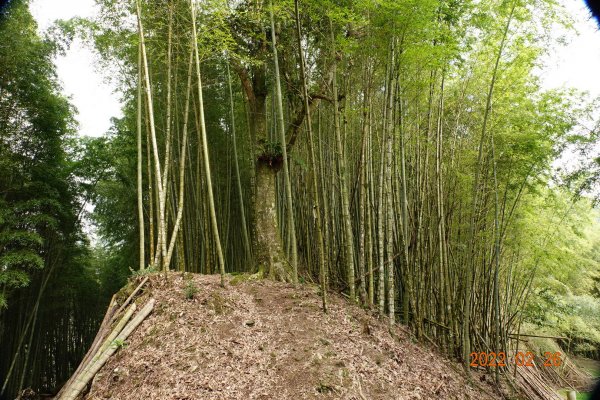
point(402, 153)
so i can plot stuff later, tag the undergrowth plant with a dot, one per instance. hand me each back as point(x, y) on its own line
point(190, 290)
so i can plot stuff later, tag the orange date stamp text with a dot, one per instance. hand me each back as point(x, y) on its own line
point(521, 359)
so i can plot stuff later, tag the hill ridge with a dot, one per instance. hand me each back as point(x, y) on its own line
point(259, 339)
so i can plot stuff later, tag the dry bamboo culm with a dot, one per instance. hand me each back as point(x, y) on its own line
point(107, 341)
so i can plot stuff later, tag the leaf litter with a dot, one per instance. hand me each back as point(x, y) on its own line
point(259, 339)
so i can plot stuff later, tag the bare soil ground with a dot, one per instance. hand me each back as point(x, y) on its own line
point(258, 339)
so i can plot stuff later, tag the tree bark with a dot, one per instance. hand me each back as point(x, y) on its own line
point(269, 250)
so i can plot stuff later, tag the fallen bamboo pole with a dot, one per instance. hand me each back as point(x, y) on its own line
point(104, 326)
point(131, 296)
point(113, 334)
point(515, 335)
point(81, 381)
point(98, 346)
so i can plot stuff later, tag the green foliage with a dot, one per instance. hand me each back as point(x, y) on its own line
point(46, 274)
point(190, 290)
point(564, 237)
point(584, 177)
point(270, 152)
point(143, 272)
point(119, 344)
point(36, 193)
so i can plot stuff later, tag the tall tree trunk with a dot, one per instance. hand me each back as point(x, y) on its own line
point(268, 247)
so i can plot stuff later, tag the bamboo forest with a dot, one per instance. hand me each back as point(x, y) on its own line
point(352, 199)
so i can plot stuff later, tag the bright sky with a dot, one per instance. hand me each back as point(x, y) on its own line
point(575, 65)
point(91, 94)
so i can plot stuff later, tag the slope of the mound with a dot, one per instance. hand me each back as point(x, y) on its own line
point(269, 340)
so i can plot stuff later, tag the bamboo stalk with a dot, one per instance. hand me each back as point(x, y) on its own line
point(108, 317)
point(286, 173)
point(117, 329)
point(204, 140)
point(131, 296)
point(81, 382)
point(516, 335)
point(89, 361)
point(140, 203)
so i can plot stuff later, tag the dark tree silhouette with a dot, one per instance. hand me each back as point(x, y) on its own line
point(594, 6)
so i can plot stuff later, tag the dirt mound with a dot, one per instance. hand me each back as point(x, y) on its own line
point(267, 340)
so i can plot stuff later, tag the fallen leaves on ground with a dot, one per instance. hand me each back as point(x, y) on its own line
point(259, 339)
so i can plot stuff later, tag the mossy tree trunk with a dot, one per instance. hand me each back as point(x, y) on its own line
point(267, 243)
point(268, 247)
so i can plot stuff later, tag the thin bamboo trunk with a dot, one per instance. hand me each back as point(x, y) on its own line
point(182, 163)
point(211, 201)
point(497, 233)
point(140, 202)
point(466, 331)
point(341, 163)
point(168, 137)
point(313, 164)
point(150, 197)
point(362, 197)
point(247, 246)
point(286, 172)
point(157, 167)
point(369, 215)
point(388, 182)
